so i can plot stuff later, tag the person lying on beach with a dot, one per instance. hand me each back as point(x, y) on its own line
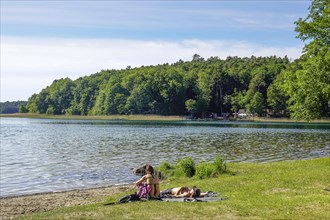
point(183, 191)
point(152, 182)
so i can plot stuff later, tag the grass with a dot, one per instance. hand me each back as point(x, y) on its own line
point(149, 118)
point(105, 117)
point(278, 190)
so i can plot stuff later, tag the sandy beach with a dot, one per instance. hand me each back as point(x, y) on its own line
point(14, 206)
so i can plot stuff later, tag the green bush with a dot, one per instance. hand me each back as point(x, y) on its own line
point(220, 166)
point(166, 169)
point(187, 166)
point(207, 170)
point(204, 170)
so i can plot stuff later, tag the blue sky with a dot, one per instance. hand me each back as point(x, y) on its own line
point(46, 40)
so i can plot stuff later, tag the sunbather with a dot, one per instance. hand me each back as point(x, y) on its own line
point(151, 180)
point(183, 192)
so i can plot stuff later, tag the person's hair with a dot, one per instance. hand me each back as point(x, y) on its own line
point(197, 192)
point(150, 169)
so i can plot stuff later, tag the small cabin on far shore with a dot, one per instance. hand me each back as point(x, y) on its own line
point(242, 114)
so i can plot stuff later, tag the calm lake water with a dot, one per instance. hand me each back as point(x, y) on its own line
point(42, 155)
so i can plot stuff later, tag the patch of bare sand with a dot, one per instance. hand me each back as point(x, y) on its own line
point(14, 206)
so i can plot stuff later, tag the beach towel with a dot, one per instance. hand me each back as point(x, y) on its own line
point(210, 197)
point(200, 199)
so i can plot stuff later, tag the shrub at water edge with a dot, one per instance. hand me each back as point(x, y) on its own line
point(187, 167)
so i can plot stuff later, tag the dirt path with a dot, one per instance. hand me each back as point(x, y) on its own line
point(14, 206)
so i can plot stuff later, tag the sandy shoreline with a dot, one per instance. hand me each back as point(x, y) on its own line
point(14, 206)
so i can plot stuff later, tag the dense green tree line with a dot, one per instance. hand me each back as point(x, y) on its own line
point(198, 86)
point(13, 107)
point(260, 85)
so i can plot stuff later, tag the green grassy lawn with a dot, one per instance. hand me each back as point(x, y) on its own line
point(279, 190)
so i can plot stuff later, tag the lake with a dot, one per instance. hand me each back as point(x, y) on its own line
point(43, 155)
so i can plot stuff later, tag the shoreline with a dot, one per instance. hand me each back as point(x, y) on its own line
point(65, 190)
point(256, 191)
point(100, 117)
point(172, 118)
point(13, 206)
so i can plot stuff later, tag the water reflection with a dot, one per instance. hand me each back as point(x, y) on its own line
point(40, 155)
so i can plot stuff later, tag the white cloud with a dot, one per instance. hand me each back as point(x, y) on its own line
point(30, 64)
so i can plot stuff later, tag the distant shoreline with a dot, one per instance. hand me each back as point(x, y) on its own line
point(153, 118)
point(103, 117)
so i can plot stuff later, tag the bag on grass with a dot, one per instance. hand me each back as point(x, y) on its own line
point(129, 198)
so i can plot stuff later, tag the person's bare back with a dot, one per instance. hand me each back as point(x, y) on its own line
point(183, 190)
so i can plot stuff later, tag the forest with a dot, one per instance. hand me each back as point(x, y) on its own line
point(13, 107)
point(262, 86)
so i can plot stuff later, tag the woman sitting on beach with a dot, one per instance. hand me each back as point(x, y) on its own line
point(152, 182)
point(183, 191)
